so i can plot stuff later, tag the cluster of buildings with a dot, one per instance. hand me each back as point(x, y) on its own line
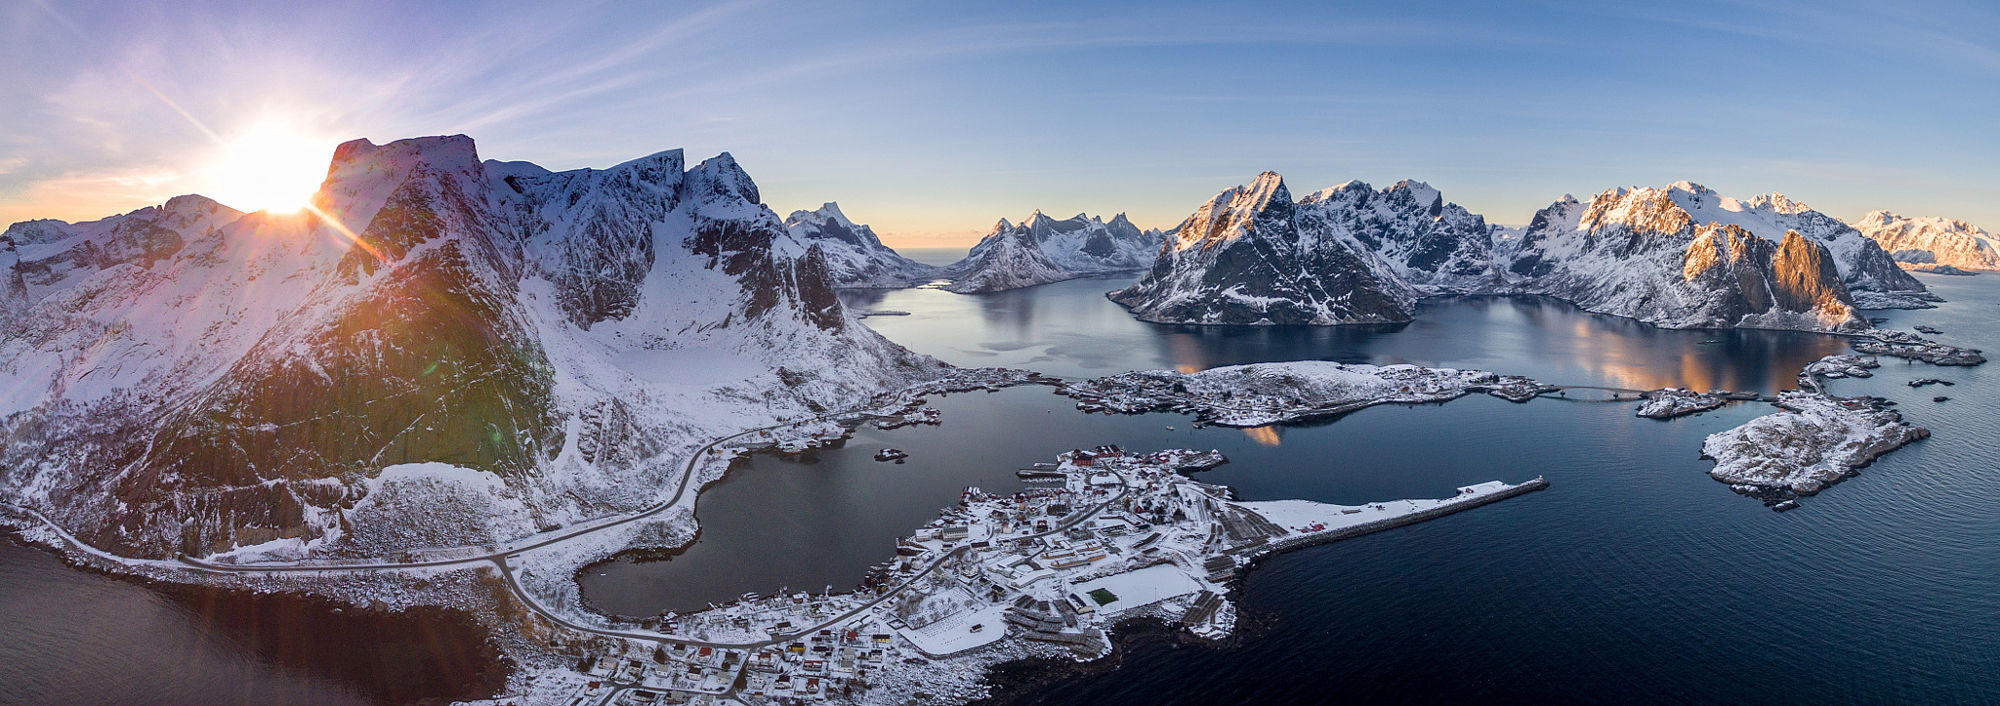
point(672, 673)
point(830, 661)
point(1099, 535)
point(1101, 532)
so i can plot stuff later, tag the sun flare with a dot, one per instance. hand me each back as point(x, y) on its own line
point(270, 167)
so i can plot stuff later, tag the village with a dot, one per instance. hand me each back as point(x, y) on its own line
point(1099, 535)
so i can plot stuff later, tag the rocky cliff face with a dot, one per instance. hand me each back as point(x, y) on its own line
point(1412, 232)
point(855, 257)
point(1065, 249)
point(1932, 241)
point(1864, 267)
point(190, 379)
point(1252, 256)
point(1641, 253)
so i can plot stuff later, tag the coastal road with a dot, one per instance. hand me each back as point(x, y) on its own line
point(687, 478)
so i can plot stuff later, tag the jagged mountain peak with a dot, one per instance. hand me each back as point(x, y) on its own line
point(828, 212)
point(1344, 190)
point(1268, 185)
point(1418, 192)
point(1234, 211)
point(196, 204)
point(1356, 193)
point(1880, 217)
point(363, 176)
point(721, 179)
point(1778, 202)
point(1251, 256)
point(676, 158)
point(1685, 185)
point(1043, 249)
point(854, 254)
point(441, 151)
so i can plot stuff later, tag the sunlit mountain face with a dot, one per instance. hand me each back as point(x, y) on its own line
point(200, 380)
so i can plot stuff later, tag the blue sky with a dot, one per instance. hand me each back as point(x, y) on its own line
point(932, 120)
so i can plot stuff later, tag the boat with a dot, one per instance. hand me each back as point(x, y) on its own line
point(892, 454)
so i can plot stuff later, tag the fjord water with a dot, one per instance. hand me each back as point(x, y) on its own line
point(75, 637)
point(1635, 577)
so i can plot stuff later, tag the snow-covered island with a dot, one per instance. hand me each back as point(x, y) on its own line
point(1670, 402)
point(1270, 393)
point(1816, 441)
point(1902, 344)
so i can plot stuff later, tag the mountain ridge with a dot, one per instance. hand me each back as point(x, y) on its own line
point(552, 337)
point(1680, 256)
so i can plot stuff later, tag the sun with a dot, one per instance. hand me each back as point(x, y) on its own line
point(269, 166)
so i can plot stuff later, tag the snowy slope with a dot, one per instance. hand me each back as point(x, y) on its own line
point(1068, 248)
point(854, 255)
point(556, 338)
point(1932, 241)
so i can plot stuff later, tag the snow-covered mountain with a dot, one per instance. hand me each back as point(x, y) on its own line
point(1644, 253)
point(1680, 257)
point(1932, 241)
point(1007, 258)
point(1069, 248)
point(1865, 267)
point(855, 257)
point(526, 347)
point(1252, 256)
point(1433, 245)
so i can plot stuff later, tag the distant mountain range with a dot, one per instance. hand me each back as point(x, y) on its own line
point(1042, 250)
point(503, 346)
point(1680, 256)
point(1924, 243)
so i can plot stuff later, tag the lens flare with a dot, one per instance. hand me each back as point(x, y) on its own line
point(269, 166)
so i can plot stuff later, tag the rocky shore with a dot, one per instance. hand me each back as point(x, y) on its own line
point(1814, 442)
point(1914, 347)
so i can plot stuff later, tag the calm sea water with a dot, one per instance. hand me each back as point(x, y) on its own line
point(1634, 578)
point(935, 256)
point(73, 637)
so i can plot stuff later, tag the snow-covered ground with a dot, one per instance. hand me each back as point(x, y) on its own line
point(1667, 403)
point(1269, 393)
point(1815, 441)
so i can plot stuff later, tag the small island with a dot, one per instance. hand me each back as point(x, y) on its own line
point(1271, 393)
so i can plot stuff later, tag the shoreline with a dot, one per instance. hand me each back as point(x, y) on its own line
point(148, 573)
